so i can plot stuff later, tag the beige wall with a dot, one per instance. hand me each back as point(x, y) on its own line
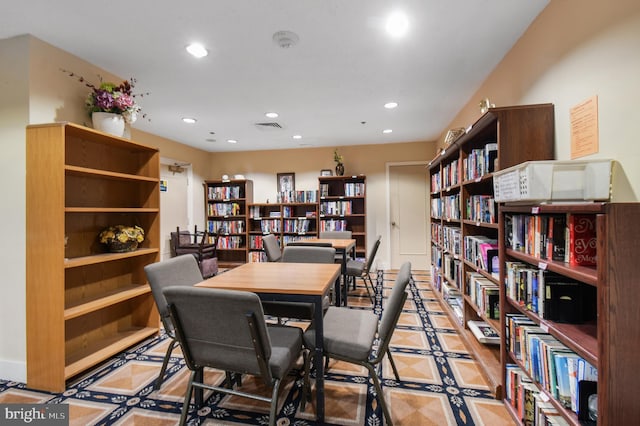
point(575, 49)
point(370, 160)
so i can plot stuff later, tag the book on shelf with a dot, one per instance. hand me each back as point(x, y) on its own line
point(484, 332)
point(568, 301)
point(582, 240)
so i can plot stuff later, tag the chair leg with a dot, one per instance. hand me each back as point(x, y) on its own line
point(274, 402)
point(393, 365)
point(371, 291)
point(306, 386)
point(187, 399)
point(165, 362)
point(376, 383)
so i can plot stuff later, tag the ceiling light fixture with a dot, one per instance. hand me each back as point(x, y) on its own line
point(197, 50)
point(385, 131)
point(390, 105)
point(189, 120)
point(297, 136)
point(397, 24)
point(232, 141)
point(271, 114)
point(285, 39)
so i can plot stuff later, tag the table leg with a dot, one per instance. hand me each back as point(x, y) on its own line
point(345, 288)
point(318, 361)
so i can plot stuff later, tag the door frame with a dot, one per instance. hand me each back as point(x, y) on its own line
point(165, 161)
point(388, 166)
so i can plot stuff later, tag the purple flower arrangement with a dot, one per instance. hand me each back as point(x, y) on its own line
point(108, 97)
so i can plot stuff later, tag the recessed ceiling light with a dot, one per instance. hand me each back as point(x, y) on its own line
point(271, 114)
point(297, 136)
point(197, 50)
point(387, 131)
point(390, 105)
point(232, 141)
point(397, 24)
point(189, 120)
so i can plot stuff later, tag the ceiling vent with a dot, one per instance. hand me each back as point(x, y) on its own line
point(268, 125)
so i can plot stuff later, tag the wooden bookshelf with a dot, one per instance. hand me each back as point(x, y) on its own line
point(342, 206)
point(226, 215)
point(462, 206)
point(287, 221)
point(85, 305)
point(611, 342)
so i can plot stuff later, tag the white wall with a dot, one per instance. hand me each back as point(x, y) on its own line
point(14, 115)
point(606, 65)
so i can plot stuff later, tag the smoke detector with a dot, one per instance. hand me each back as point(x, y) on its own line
point(285, 39)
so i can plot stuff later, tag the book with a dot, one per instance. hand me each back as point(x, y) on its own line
point(484, 332)
point(582, 240)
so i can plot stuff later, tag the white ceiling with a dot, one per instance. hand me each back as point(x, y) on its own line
point(330, 88)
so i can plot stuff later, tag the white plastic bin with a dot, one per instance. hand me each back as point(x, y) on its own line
point(540, 181)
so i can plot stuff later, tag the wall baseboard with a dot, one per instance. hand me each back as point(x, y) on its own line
point(14, 371)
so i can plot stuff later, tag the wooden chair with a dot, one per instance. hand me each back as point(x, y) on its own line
point(198, 245)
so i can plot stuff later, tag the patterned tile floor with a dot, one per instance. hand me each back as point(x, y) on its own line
point(440, 382)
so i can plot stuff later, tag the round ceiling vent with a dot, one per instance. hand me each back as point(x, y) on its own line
point(285, 39)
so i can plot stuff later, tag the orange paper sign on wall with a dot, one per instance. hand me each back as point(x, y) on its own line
point(584, 128)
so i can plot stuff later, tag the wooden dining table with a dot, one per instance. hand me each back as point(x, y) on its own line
point(343, 246)
point(287, 282)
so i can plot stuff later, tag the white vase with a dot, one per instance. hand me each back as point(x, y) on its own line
point(108, 122)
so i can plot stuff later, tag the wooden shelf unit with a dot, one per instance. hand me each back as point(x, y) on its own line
point(612, 343)
point(350, 192)
point(521, 133)
point(85, 305)
point(226, 215)
point(282, 220)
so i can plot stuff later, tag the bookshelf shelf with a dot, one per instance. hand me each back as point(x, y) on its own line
point(608, 338)
point(462, 207)
point(85, 305)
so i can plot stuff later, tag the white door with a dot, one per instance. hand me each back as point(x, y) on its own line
point(408, 215)
point(173, 206)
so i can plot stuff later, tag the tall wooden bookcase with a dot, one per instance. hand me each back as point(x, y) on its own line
point(226, 214)
point(611, 340)
point(84, 304)
point(342, 206)
point(463, 213)
point(287, 221)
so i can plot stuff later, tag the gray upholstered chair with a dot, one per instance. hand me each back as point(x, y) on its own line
point(226, 330)
point(335, 235)
point(177, 271)
point(350, 334)
point(300, 254)
point(271, 248)
point(308, 254)
point(358, 269)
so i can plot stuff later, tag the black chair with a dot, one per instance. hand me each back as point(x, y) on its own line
point(226, 330)
point(198, 245)
point(355, 336)
point(177, 271)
